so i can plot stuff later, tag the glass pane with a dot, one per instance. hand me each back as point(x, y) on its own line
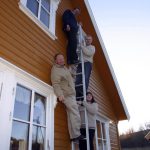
point(39, 115)
point(38, 138)
point(22, 103)
point(33, 5)
point(100, 145)
point(99, 133)
point(44, 17)
point(19, 136)
point(103, 128)
point(105, 145)
point(46, 4)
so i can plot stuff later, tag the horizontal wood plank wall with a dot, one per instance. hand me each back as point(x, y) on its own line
point(62, 141)
point(24, 44)
point(100, 94)
point(105, 106)
point(114, 138)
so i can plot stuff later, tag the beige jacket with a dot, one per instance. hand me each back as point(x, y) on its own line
point(62, 81)
point(92, 110)
point(88, 53)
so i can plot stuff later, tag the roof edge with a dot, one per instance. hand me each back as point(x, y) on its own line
point(107, 58)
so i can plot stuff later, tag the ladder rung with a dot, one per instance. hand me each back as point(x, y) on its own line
point(79, 97)
point(78, 62)
point(83, 109)
point(75, 142)
point(78, 51)
point(84, 139)
point(80, 73)
point(83, 123)
point(79, 85)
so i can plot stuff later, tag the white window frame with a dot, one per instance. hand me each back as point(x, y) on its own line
point(23, 78)
point(53, 8)
point(104, 121)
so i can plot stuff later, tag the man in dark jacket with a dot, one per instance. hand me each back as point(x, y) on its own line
point(70, 27)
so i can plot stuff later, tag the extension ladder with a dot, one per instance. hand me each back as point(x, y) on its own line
point(75, 146)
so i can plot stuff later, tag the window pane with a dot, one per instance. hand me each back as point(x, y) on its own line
point(19, 136)
point(44, 17)
point(100, 145)
point(39, 116)
point(105, 145)
point(103, 128)
point(46, 4)
point(38, 138)
point(33, 5)
point(22, 103)
point(99, 133)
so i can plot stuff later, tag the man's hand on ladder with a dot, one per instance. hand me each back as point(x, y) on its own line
point(61, 98)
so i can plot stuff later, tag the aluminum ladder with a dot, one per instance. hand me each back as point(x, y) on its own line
point(75, 146)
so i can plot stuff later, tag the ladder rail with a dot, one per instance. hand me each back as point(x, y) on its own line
point(84, 86)
point(80, 52)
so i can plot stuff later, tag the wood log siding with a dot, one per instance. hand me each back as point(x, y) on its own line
point(25, 45)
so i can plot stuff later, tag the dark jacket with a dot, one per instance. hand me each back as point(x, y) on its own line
point(69, 19)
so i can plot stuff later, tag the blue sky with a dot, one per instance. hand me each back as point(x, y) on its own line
point(125, 29)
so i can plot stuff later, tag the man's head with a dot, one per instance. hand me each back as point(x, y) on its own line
point(88, 40)
point(59, 59)
point(76, 11)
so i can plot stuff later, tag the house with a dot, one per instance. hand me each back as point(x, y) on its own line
point(30, 117)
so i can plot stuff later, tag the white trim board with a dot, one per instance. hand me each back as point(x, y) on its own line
point(14, 68)
point(26, 77)
point(50, 30)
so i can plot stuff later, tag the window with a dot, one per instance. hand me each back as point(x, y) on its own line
point(29, 120)
point(102, 135)
point(27, 111)
point(42, 12)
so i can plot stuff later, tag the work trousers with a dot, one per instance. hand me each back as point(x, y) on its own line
point(82, 143)
point(72, 56)
point(87, 72)
point(74, 120)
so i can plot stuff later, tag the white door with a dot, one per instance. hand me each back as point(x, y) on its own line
point(7, 86)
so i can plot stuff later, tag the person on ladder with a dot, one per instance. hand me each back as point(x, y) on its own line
point(64, 89)
point(88, 54)
point(92, 110)
point(70, 27)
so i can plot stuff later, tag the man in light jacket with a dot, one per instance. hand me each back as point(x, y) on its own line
point(64, 89)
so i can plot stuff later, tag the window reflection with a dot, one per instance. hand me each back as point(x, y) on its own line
point(103, 128)
point(46, 4)
point(19, 136)
point(39, 109)
point(44, 17)
point(101, 135)
point(33, 5)
point(100, 144)
point(22, 120)
point(38, 135)
point(98, 129)
point(22, 103)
